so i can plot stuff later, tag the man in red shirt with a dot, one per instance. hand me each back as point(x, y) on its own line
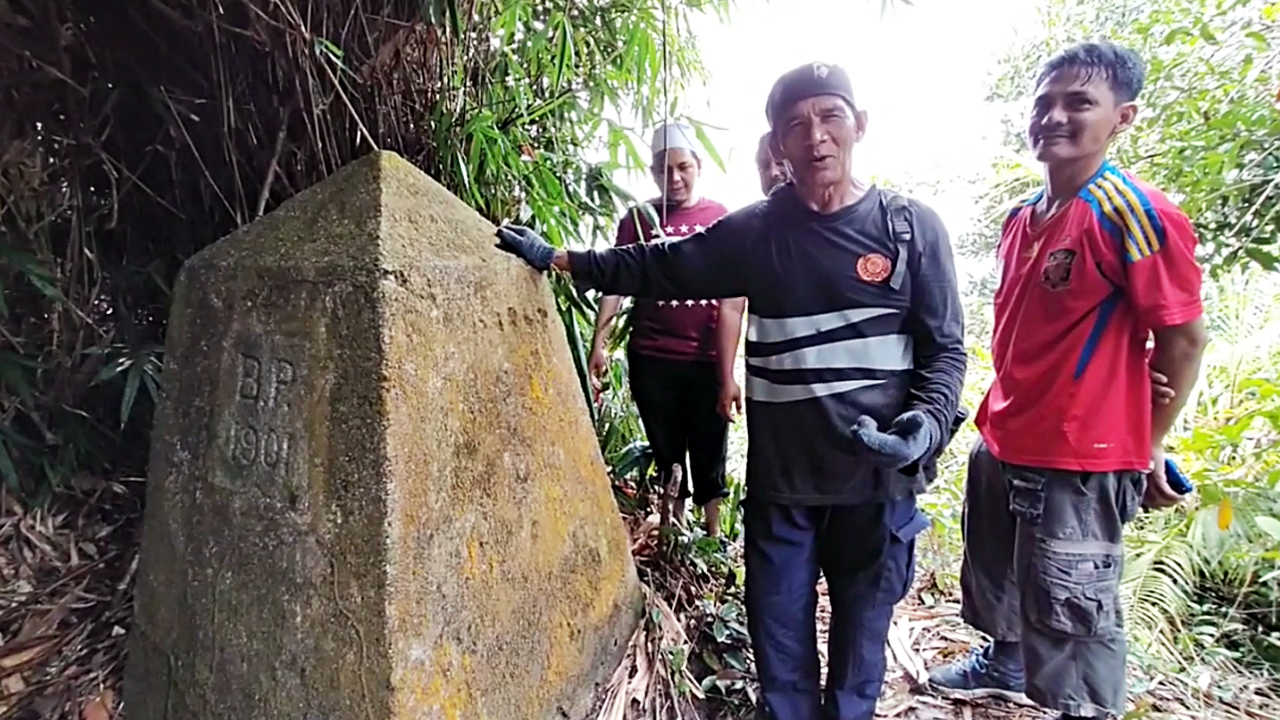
point(1090, 267)
point(673, 346)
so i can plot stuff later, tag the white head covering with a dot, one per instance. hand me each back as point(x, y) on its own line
point(672, 136)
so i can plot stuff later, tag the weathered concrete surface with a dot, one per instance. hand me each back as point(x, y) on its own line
point(375, 491)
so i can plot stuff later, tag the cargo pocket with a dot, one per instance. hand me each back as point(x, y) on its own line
point(1026, 493)
point(899, 567)
point(1074, 592)
point(1130, 487)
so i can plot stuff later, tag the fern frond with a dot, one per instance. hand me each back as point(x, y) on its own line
point(1158, 587)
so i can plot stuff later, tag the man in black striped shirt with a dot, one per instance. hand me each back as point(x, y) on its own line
point(855, 361)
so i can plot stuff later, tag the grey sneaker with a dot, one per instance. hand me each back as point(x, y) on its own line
point(979, 675)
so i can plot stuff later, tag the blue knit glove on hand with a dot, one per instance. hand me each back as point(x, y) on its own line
point(910, 436)
point(526, 245)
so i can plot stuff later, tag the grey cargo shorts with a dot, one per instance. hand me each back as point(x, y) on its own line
point(1043, 554)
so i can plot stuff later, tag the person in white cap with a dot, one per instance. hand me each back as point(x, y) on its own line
point(673, 346)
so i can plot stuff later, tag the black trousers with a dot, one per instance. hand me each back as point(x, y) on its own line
point(677, 402)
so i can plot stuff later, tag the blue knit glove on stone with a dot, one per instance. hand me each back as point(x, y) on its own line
point(527, 245)
point(910, 436)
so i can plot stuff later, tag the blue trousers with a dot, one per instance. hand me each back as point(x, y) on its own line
point(867, 553)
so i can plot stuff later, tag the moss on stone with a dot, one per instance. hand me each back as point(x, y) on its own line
point(441, 541)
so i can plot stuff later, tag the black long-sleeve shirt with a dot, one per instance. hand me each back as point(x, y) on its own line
point(828, 338)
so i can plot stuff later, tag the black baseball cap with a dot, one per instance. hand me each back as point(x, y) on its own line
point(804, 82)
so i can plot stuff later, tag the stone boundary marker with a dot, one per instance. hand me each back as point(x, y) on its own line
point(375, 492)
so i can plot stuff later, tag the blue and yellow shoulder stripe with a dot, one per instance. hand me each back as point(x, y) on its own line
point(1125, 211)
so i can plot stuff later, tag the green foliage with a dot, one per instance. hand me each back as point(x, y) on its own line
point(1225, 543)
point(1213, 132)
point(612, 410)
point(1209, 129)
point(133, 139)
point(701, 580)
point(944, 502)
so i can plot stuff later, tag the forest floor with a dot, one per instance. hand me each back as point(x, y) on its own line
point(924, 637)
point(66, 579)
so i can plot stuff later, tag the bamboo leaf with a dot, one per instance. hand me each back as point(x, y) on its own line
point(325, 47)
point(704, 139)
point(153, 387)
point(130, 392)
point(564, 55)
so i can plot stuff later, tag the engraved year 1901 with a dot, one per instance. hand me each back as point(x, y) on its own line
point(262, 402)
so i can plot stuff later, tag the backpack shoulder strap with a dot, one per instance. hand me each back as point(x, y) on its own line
point(897, 212)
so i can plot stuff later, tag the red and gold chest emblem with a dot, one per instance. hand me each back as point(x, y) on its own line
point(1056, 274)
point(874, 267)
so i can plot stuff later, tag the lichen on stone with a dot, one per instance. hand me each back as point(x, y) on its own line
point(443, 544)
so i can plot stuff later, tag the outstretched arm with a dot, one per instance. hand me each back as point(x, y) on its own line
point(705, 265)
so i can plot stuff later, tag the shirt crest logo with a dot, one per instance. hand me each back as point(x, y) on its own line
point(1056, 274)
point(874, 268)
point(820, 70)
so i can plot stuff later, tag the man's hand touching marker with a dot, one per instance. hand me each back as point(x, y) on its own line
point(527, 245)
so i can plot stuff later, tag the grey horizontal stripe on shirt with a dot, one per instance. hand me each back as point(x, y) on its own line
point(881, 352)
point(767, 330)
point(762, 390)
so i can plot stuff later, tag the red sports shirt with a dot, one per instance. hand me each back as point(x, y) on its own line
point(1077, 300)
point(673, 329)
